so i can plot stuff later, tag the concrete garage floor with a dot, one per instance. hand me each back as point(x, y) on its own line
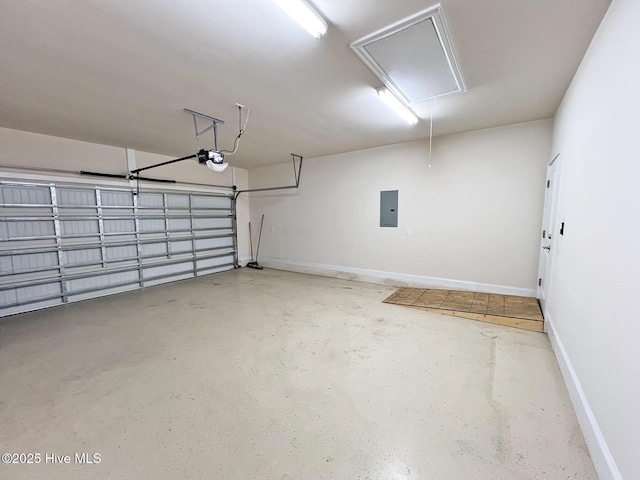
point(275, 375)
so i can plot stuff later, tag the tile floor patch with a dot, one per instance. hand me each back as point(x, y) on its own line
point(508, 310)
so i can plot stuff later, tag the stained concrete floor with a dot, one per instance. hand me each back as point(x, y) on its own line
point(274, 375)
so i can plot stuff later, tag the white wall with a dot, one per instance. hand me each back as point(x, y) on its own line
point(593, 304)
point(474, 215)
point(56, 157)
point(26, 149)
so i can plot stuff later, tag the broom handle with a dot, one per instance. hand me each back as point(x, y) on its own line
point(259, 237)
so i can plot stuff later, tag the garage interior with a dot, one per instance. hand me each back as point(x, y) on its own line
point(204, 206)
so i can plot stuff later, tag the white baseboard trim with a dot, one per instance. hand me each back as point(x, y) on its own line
point(389, 278)
point(603, 461)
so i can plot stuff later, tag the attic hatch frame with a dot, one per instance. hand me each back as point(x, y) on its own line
point(435, 16)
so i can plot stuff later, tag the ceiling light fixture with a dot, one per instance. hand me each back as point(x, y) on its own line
point(307, 16)
point(397, 106)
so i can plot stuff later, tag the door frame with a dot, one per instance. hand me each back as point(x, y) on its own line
point(549, 232)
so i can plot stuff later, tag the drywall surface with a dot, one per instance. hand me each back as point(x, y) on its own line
point(470, 213)
point(593, 301)
point(26, 149)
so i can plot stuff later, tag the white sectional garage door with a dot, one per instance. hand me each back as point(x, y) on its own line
point(63, 243)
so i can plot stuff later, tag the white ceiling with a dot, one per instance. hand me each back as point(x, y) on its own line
point(120, 72)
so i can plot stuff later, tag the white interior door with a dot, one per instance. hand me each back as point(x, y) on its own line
point(548, 232)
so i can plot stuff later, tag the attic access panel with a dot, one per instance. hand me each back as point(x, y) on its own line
point(413, 57)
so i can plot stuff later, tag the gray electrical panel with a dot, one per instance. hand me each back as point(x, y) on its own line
point(389, 208)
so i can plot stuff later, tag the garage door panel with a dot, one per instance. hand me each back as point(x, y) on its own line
point(74, 196)
point(65, 243)
point(8, 297)
point(174, 278)
point(151, 199)
point(122, 252)
point(82, 256)
point(154, 249)
point(38, 292)
point(177, 202)
point(212, 223)
point(33, 305)
point(30, 261)
point(78, 227)
point(6, 265)
point(166, 270)
point(181, 247)
point(116, 198)
point(26, 229)
point(179, 224)
point(25, 194)
point(76, 211)
point(103, 291)
point(214, 262)
point(152, 225)
point(208, 202)
point(215, 242)
point(119, 226)
point(101, 282)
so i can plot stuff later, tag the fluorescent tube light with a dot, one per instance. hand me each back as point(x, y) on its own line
point(397, 106)
point(303, 13)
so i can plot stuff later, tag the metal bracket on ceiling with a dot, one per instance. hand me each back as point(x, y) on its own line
point(214, 126)
point(296, 174)
point(134, 175)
